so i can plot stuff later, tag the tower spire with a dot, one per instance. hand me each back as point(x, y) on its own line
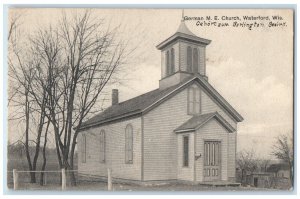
point(182, 19)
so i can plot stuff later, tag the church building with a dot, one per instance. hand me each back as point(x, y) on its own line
point(182, 131)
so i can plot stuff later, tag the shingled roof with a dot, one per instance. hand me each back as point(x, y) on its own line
point(145, 102)
point(183, 33)
point(197, 121)
point(131, 106)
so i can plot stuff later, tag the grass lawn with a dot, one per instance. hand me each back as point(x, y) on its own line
point(102, 186)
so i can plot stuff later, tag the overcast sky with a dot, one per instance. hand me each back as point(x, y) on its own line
point(251, 69)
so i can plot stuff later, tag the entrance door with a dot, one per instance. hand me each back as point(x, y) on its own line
point(212, 160)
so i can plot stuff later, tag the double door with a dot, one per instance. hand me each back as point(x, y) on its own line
point(212, 161)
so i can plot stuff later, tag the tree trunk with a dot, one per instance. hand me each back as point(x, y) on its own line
point(74, 142)
point(44, 155)
point(27, 109)
point(32, 177)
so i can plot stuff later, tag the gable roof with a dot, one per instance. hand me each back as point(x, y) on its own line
point(149, 100)
point(199, 120)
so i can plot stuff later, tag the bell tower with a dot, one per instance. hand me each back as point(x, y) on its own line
point(182, 55)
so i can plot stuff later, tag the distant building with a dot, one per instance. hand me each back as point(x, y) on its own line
point(182, 131)
point(276, 176)
point(260, 179)
point(281, 170)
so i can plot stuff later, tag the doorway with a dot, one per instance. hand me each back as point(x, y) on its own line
point(212, 160)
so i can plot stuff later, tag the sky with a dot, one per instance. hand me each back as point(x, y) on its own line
point(251, 69)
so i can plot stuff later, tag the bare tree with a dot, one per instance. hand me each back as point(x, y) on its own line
point(23, 64)
point(264, 164)
point(44, 154)
point(246, 162)
point(283, 150)
point(67, 69)
point(93, 54)
point(14, 23)
point(79, 58)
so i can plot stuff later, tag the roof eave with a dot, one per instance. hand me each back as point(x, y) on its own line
point(184, 130)
point(216, 115)
point(220, 119)
point(136, 113)
point(220, 99)
point(184, 37)
point(223, 102)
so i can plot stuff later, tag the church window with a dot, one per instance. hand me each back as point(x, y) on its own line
point(83, 149)
point(167, 63)
point(102, 146)
point(193, 101)
point(189, 59)
point(129, 144)
point(172, 68)
point(170, 62)
point(192, 60)
point(195, 60)
point(185, 151)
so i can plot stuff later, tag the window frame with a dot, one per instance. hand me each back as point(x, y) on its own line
point(129, 144)
point(193, 101)
point(195, 65)
point(189, 59)
point(185, 151)
point(167, 63)
point(102, 155)
point(84, 149)
point(172, 62)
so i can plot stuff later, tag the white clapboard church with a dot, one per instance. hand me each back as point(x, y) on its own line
point(182, 131)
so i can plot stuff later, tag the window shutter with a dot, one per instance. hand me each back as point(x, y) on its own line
point(167, 63)
point(195, 60)
point(189, 59)
point(172, 68)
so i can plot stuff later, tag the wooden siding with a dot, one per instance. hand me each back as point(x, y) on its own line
point(163, 58)
point(212, 130)
point(115, 151)
point(185, 173)
point(162, 159)
point(160, 142)
point(231, 156)
point(183, 56)
point(208, 105)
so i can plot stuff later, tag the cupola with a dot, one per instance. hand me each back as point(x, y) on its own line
point(182, 55)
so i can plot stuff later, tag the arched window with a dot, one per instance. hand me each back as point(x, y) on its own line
point(167, 63)
point(102, 146)
point(172, 68)
point(189, 59)
point(83, 149)
point(129, 144)
point(195, 60)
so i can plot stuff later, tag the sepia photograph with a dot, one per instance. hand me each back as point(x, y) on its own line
point(150, 99)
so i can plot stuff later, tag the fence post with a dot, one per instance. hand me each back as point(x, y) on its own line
point(45, 178)
point(109, 180)
point(63, 179)
point(16, 179)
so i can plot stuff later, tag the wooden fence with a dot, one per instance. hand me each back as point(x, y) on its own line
point(16, 178)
